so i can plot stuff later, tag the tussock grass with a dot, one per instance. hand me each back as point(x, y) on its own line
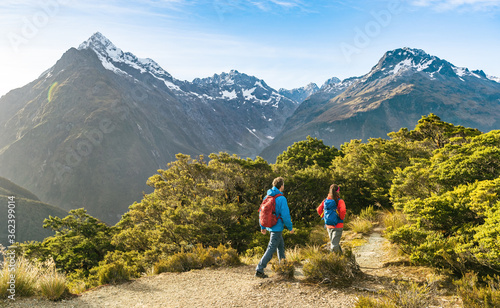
point(33, 279)
point(477, 295)
point(284, 269)
point(294, 255)
point(332, 268)
point(197, 259)
point(52, 284)
point(401, 295)
point(360, 225)
point(369, 213)
point(393, 220)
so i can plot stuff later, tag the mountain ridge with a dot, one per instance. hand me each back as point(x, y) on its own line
point(404, 85)
point(95, 126)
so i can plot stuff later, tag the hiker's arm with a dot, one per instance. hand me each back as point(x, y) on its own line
point(321, 208)
point(342, 210)
point(285, 214)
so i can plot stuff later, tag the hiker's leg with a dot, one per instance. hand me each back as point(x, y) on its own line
point(271, 248)
point(281, 247)
point(335, 235)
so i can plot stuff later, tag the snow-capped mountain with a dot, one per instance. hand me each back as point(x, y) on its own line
point(300, 94)
point(406, 61)
point(114, 59)
point(404, 85)
point(93, 128)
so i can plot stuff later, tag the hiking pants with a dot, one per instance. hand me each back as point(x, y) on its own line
point(276, 242)
point(335, 234)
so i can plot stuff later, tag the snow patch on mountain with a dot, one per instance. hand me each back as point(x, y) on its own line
point(112, 56)
point(496, 79)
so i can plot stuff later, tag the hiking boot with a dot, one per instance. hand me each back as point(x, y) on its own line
point(260, 274)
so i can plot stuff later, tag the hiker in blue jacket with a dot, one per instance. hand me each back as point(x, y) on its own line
point(276, 241)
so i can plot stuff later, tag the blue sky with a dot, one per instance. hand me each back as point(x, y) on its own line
point(288, 43)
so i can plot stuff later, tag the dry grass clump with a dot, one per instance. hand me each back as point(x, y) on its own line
point(332, 268)
point(52, 284)
point(477, 295)
point(393, 220)
point(197, 259)
point(29, 279)
point(360, 225)
point(401, 295)
point(284, 269)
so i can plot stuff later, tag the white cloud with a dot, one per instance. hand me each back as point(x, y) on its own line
point(446, 5)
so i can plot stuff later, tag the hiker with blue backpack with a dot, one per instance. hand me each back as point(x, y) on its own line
point(333, 211)
point(274, 216)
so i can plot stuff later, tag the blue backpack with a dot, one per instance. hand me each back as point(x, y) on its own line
point(331, 216)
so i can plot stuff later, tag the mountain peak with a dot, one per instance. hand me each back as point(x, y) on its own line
point(114, 59)
point(99, 43)
point(403, 61)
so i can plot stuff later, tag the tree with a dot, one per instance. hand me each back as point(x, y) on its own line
point(80, 242)
point(195, 202)
point(306, 153)
point(434, 133)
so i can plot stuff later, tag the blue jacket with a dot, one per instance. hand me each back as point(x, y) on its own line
point(281, 209)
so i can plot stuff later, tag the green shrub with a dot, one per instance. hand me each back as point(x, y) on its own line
point(197, 259)
point(284, 269)
point(475, 295)
point(366, 302)
point(339, 270)
point(79, 281)
point(113, 273)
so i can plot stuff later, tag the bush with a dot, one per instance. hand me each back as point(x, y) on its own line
point(113, 273)
point(339, 270)
point(284, 269)
point(475, 295)
point(409, 295)
point(366, 302)
point(253, 255)
point(197, 259)
point(401, 295)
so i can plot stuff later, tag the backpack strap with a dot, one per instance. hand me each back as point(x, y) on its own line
point(276, 196)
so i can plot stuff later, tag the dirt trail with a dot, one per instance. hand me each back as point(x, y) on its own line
point(237, 287)
point(372, 256)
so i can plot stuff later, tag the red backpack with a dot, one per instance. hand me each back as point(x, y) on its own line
point(267, 211)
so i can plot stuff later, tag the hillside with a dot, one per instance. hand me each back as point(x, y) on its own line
point(93, 127)
point(29, 213)
point(405, 84)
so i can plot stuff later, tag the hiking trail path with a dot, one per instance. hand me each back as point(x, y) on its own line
point(238, 287)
